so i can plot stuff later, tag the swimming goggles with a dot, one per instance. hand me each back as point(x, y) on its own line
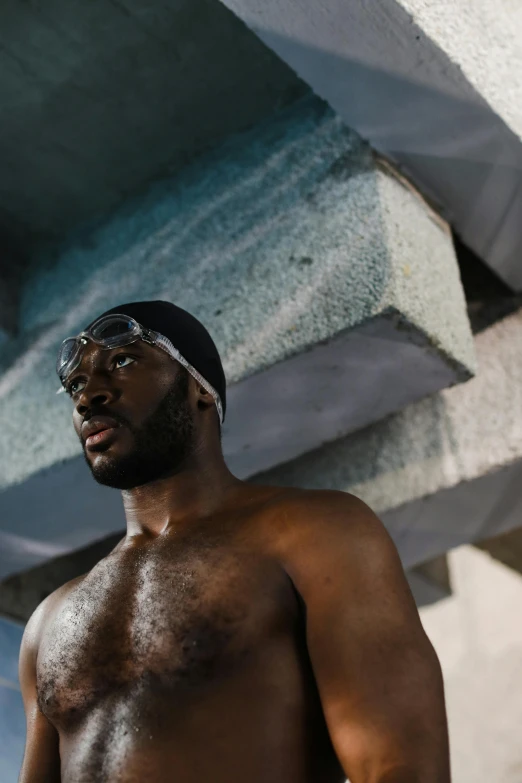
point(115, 331)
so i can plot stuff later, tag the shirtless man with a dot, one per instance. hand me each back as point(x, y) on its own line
point(238, 632)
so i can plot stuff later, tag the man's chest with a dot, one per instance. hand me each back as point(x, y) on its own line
point(166, 620)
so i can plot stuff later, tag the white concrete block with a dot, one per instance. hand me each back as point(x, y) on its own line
point(437, 86)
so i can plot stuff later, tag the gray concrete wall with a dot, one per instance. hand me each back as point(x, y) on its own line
point(435, 86)
point(12, 718)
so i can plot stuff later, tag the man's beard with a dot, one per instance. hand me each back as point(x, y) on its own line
point(161, 444)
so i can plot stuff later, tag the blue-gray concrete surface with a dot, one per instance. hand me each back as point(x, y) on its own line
point(105, 96)
point(12, 718)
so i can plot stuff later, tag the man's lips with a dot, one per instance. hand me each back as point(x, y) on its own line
point(98, 430)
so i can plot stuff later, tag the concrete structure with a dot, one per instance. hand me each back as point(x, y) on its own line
point(477, 635)
point(315, 268)
point(444, 471)
point(434, 85)
point(12, 718)
point(105, 97)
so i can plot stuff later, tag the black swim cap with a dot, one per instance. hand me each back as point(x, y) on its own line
point(186, 333)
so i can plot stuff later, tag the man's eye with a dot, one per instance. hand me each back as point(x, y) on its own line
point(123, 360)
point(75, 386)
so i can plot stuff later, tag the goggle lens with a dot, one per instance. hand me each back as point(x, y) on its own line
point(67, 352)
point(113, 328)
point(111, 331)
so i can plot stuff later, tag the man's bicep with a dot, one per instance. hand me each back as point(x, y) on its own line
point(377, 673)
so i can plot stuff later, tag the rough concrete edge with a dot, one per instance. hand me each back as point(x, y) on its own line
point(430, 293)
point(401, 322)
point(395, 170)
point(427, 496)
point(419, 337)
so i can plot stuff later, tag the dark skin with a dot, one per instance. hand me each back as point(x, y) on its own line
point(237, 632)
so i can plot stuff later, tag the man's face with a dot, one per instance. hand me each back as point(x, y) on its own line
point(132, 413)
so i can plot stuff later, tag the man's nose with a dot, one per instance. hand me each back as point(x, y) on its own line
point(98, 392)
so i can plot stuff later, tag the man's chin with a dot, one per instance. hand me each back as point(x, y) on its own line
point(110, 472)
point(123, 473)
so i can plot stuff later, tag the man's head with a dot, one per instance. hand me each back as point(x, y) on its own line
point(139, 412)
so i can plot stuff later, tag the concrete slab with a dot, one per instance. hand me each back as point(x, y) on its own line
point(444, 471)
point(330, 288)
point(436, 86)
point(104, 97)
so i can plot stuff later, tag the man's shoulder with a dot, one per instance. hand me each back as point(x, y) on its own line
point(302, 507)
point(48, 606)
point(325, 538)
point(304, 517)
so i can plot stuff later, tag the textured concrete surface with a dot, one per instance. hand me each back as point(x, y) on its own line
point(332, 292)
point(435, 86)
point(102, 97)
point(485, 39)
point(444, 471)
point(12, 718)
point(478, 637)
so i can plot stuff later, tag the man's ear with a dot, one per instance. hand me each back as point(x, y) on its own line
point(205, 399)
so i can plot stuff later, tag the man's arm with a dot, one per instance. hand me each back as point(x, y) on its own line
point(41, 763)
point(378, 676)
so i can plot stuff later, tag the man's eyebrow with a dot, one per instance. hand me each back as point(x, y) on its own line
point(102, 355)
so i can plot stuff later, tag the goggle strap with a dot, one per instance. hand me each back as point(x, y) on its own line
point(165, 343)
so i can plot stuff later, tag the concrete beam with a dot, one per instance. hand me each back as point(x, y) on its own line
point(443, 472)
point(105, 97)
point(315, 268)
point(409, 76)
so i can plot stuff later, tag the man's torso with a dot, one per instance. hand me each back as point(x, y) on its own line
point(184, 659)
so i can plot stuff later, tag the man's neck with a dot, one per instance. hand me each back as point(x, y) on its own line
point(178, 500)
